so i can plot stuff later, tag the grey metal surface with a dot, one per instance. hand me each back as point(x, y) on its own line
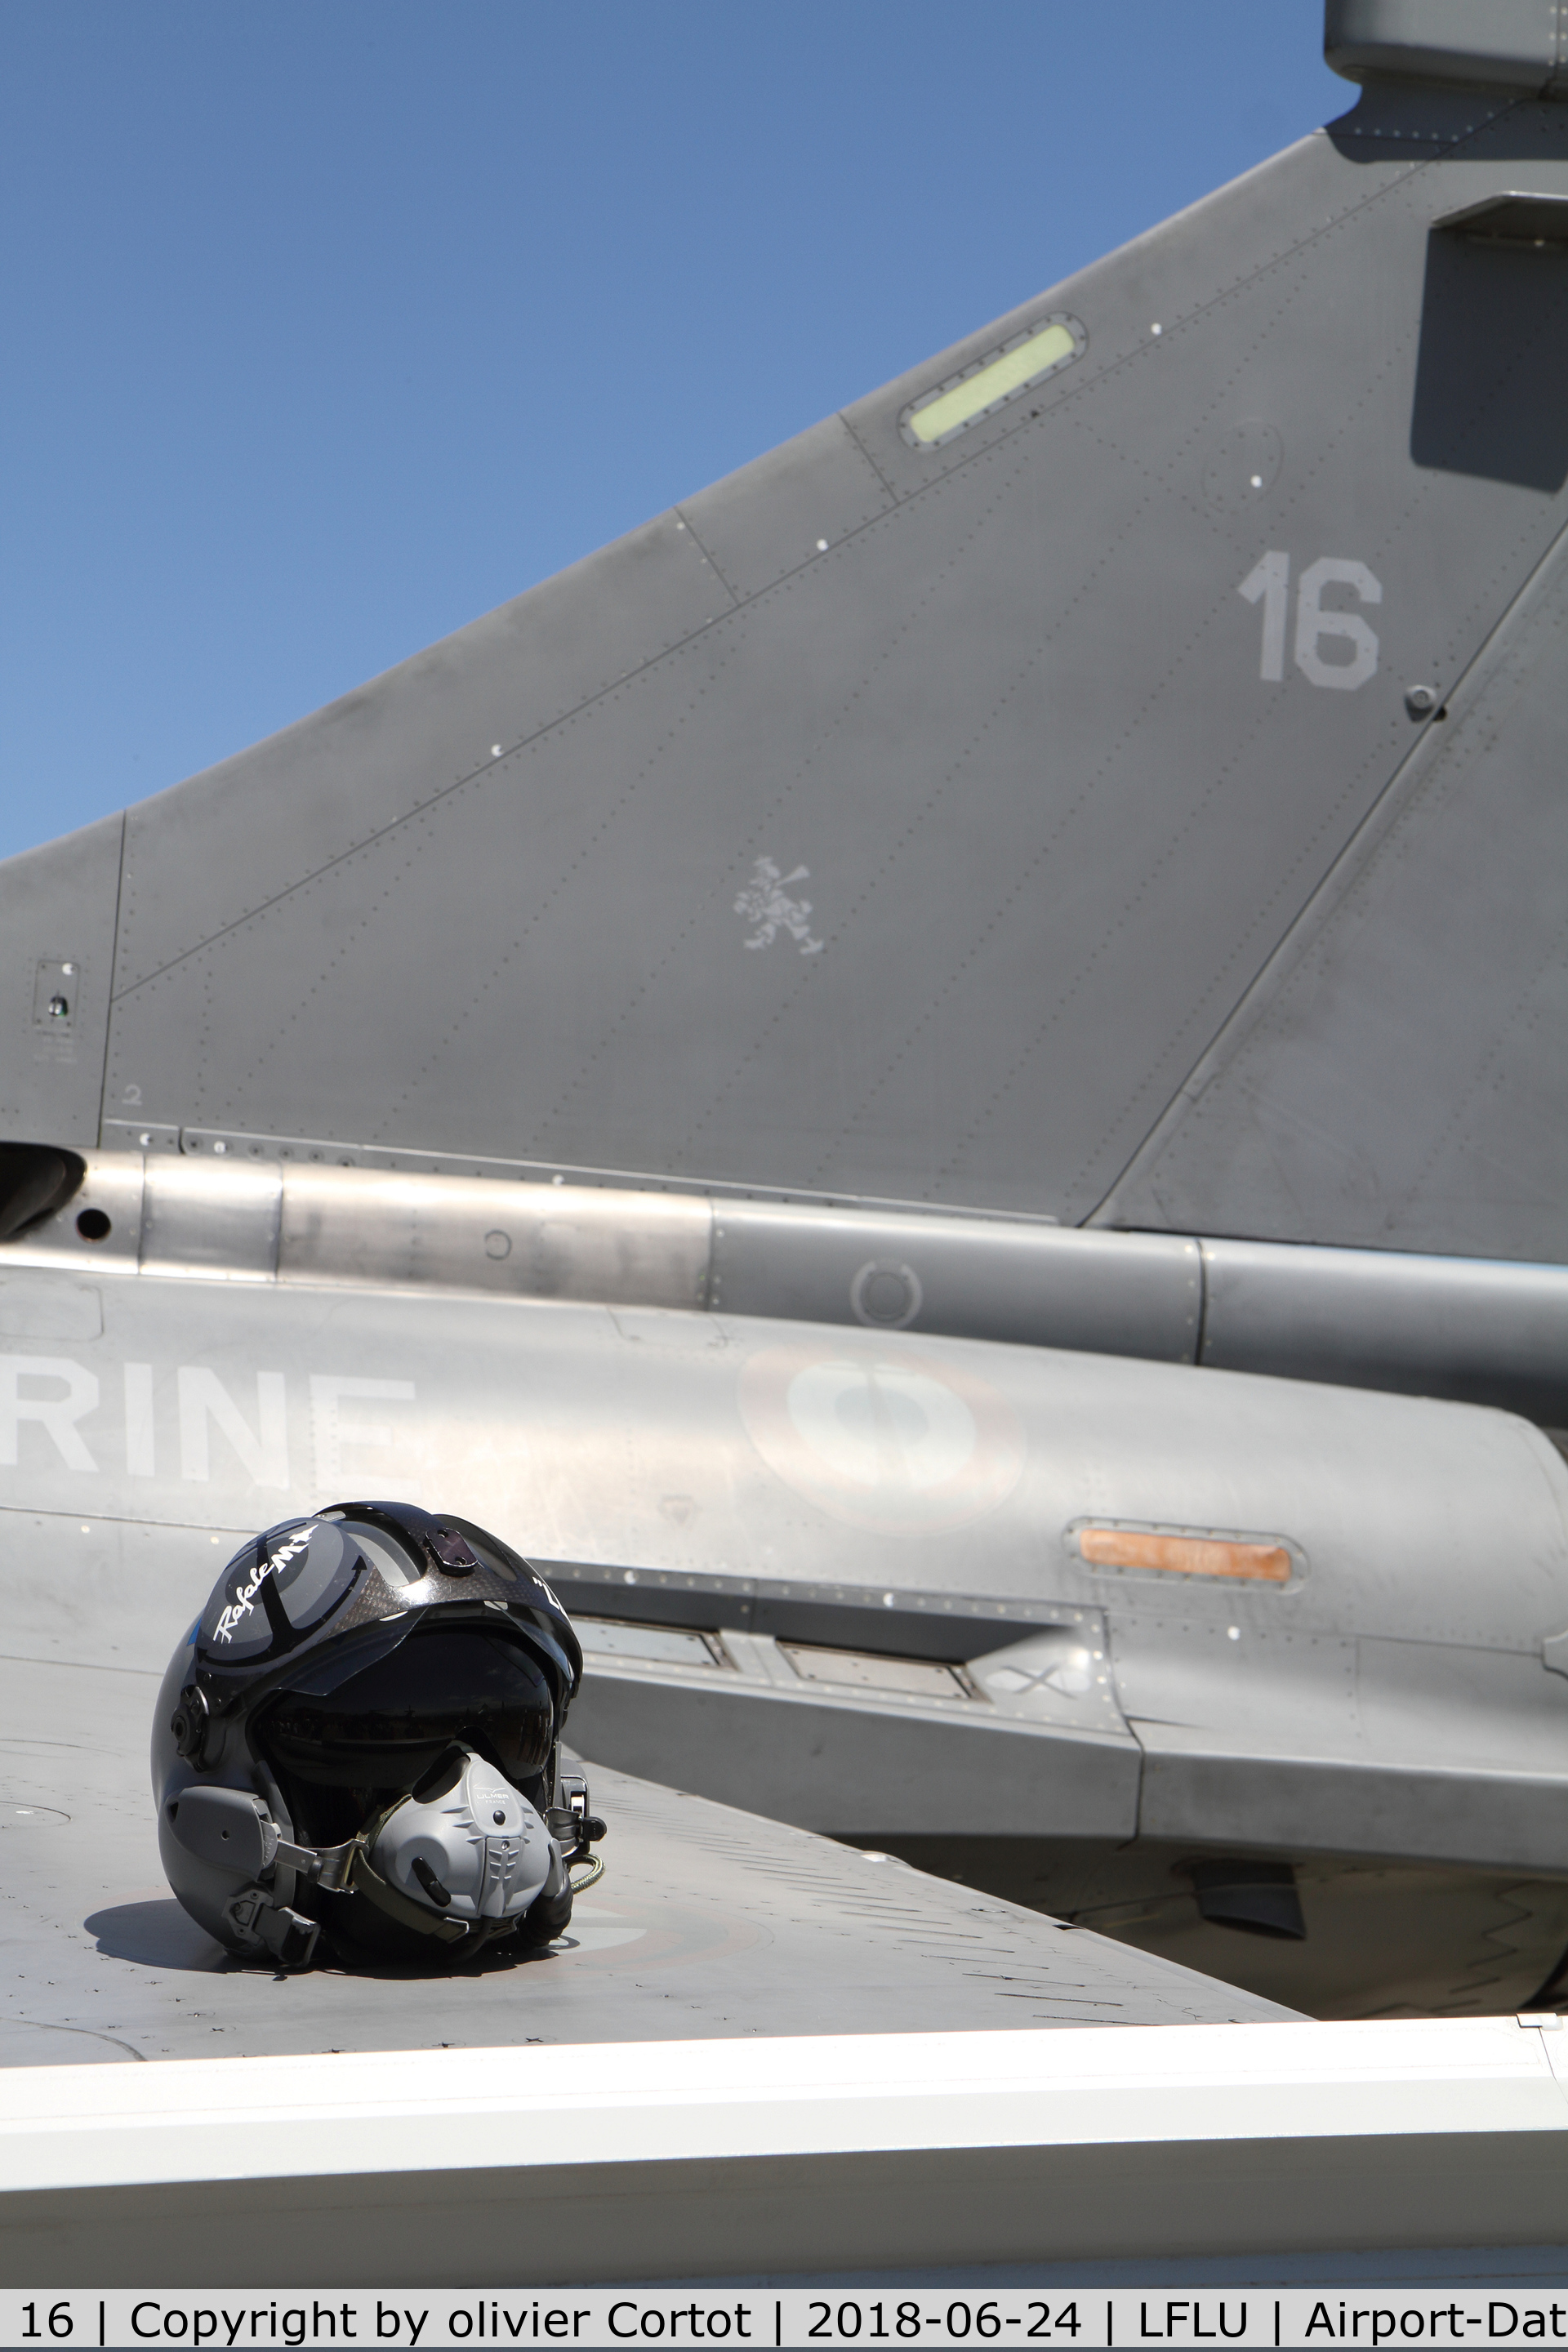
point(57, 904)
point(1513, 44)
point(827, 1501)
point(708, 1922)
point(1477, 1330)
point(1471, 1328)
point(1118, 1294)
point(682, 1442)
point(973, 741)
point(1365, 1092)
point(1512, 217)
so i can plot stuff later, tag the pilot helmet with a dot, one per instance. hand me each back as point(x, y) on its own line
point(359, 1739)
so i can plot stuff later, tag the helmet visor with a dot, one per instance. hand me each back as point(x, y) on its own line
point(384, 1727)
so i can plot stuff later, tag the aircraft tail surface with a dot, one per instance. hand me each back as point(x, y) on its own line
point(1111, 774)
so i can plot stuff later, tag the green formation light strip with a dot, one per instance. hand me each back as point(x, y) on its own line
point(1051, 346)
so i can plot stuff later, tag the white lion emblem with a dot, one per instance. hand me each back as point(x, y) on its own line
point(766, 903)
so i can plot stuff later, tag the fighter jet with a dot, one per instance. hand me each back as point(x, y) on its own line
point(935, 1081)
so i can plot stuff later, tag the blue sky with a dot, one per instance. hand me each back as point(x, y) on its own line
point(329, 324)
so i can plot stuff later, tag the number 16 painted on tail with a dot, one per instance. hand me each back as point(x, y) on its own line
point(1268, 583)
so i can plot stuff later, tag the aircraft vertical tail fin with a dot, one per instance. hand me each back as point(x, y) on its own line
point(915, 815)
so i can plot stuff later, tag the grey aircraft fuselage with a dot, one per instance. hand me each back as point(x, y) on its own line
point(848, 1577)
point(934, 1077)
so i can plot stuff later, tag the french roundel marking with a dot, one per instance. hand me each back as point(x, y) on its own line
point(902, 1443)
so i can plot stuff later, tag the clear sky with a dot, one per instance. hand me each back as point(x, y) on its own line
point(328, 324)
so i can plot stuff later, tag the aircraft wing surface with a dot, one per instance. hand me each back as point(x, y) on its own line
point(709, 1923)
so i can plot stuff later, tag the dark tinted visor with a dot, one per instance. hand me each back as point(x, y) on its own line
point(384, 1727)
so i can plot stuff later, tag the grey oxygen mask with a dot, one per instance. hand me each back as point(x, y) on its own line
point(470, 1845)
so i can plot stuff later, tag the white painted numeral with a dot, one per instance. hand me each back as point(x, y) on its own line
point(1313, 624)
point(1268, 583)
point(1271, 579)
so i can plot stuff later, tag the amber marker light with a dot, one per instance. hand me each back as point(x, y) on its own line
point(1140, 1548)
